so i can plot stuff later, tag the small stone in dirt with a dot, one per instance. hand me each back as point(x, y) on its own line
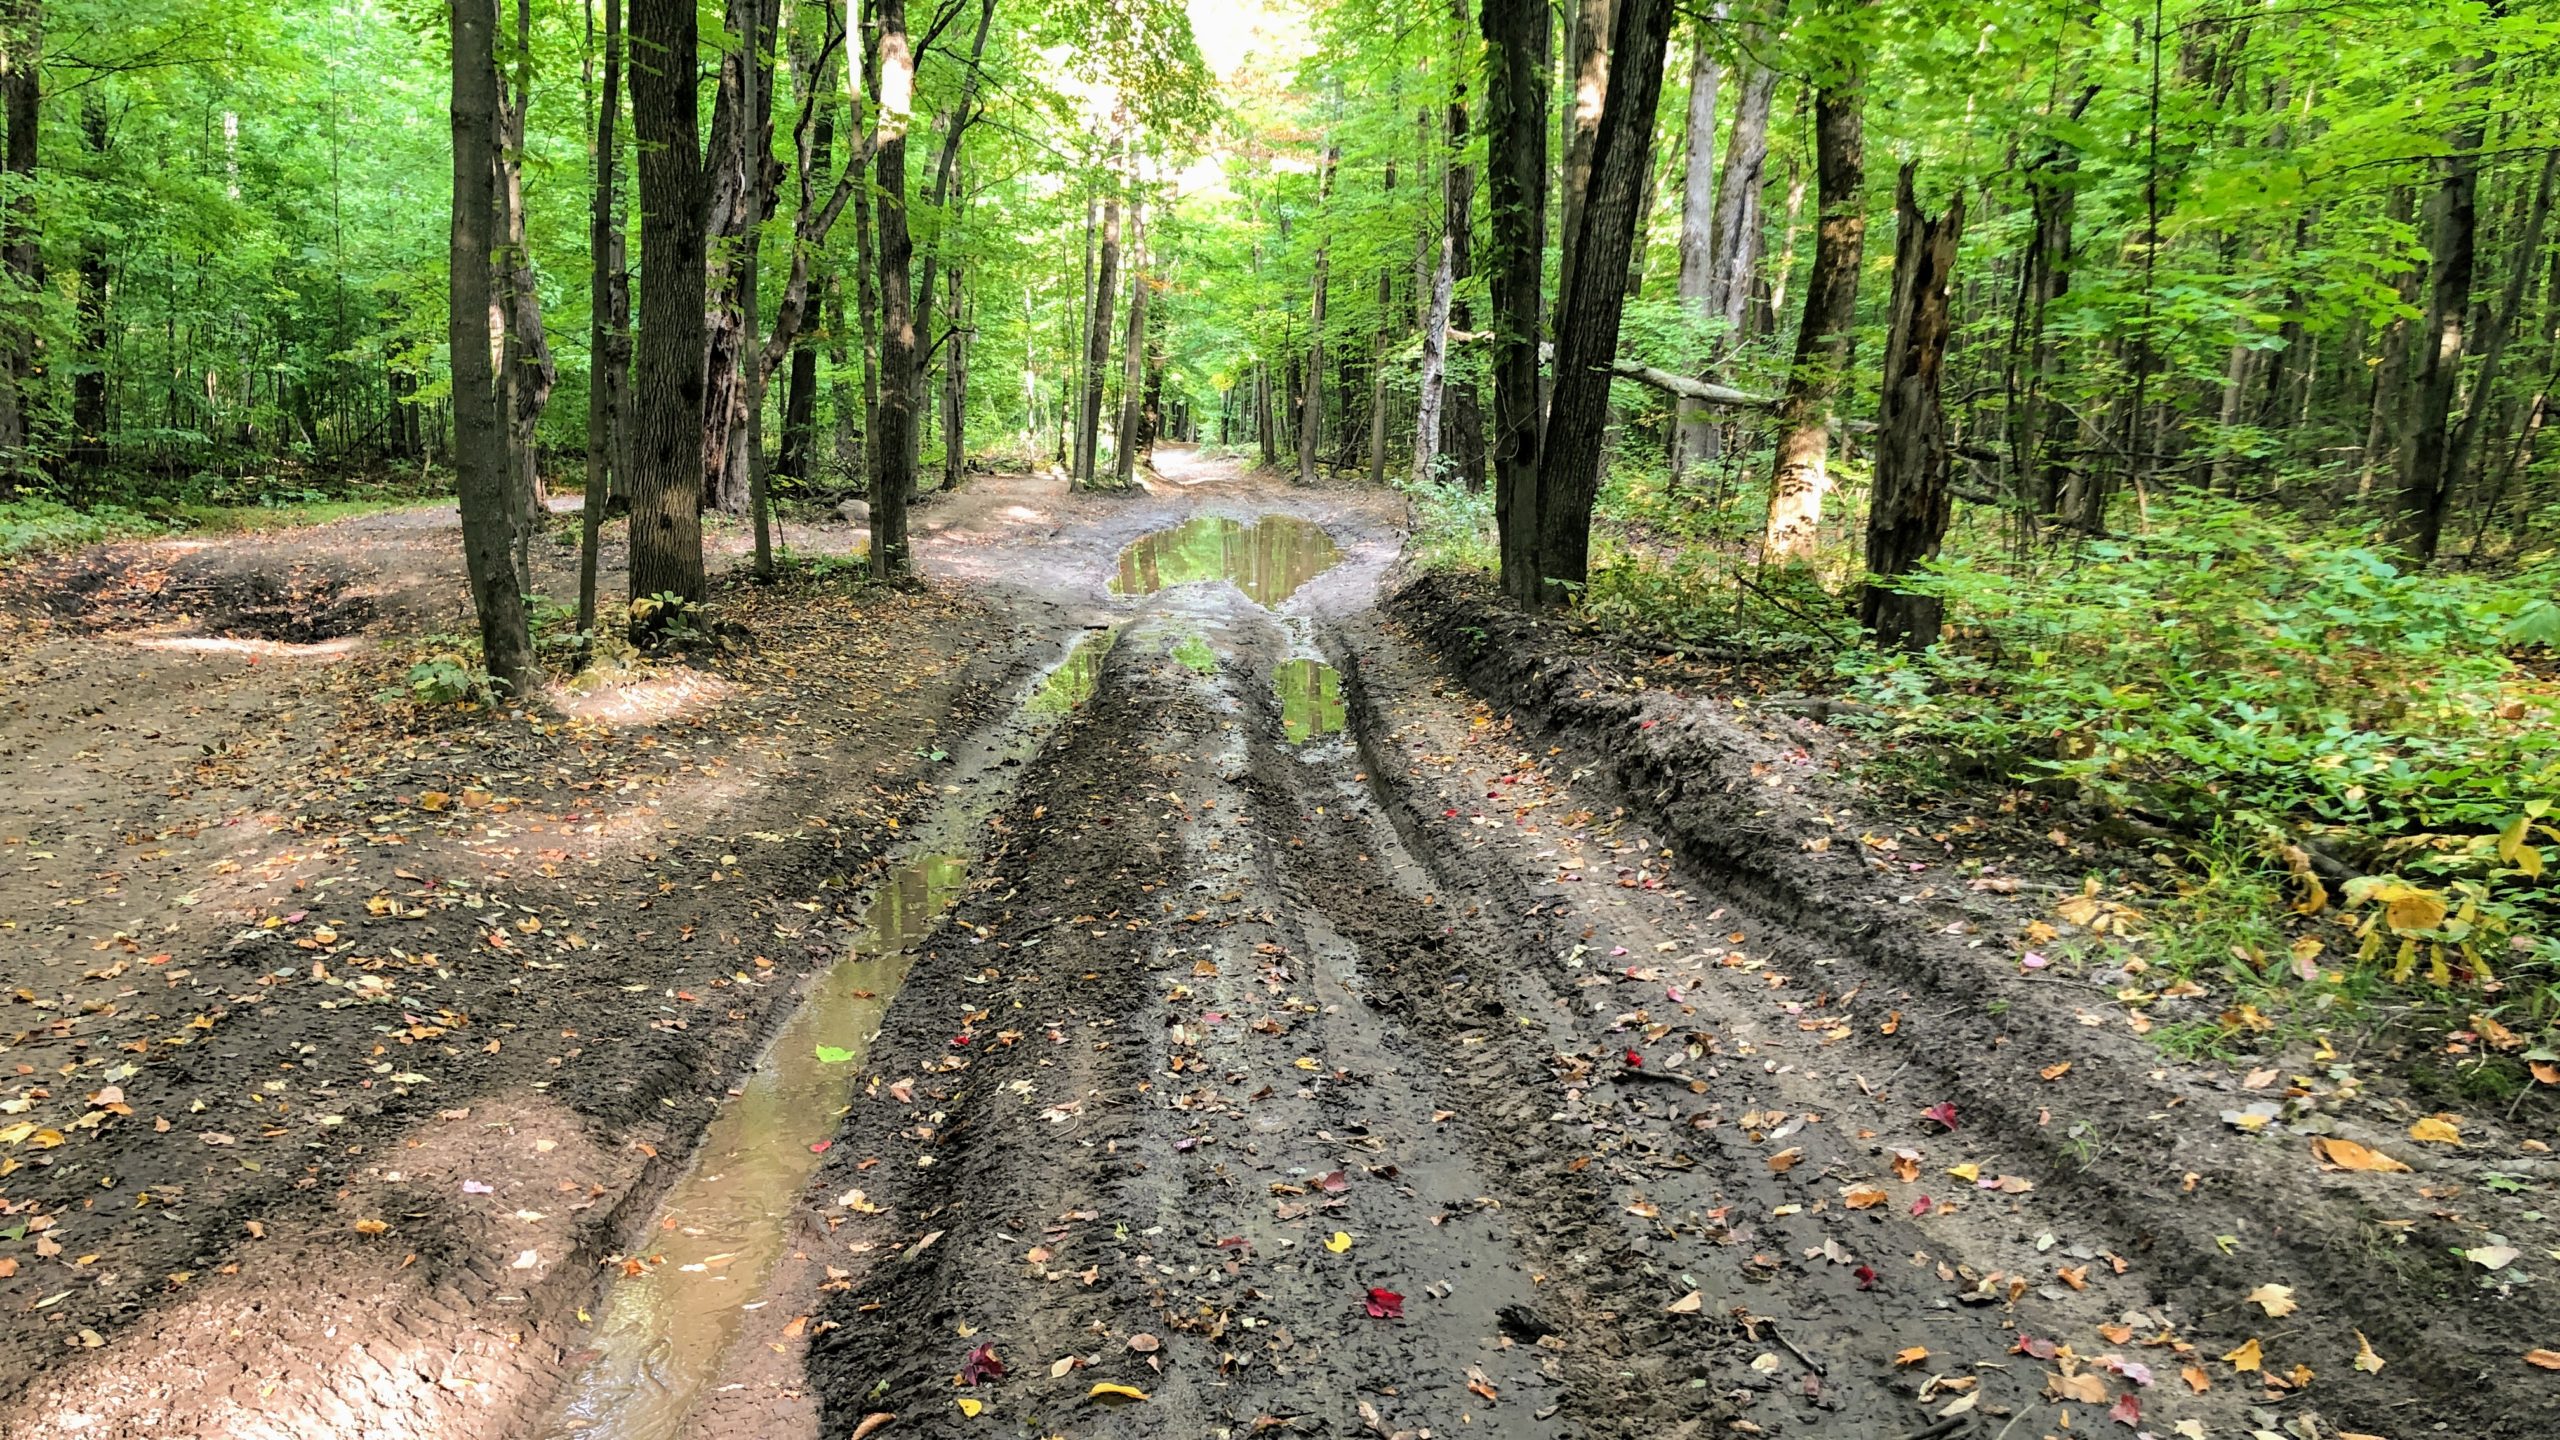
point(1522, 1323)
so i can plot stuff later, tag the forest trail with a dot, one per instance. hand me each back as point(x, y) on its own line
point(1307, 1048)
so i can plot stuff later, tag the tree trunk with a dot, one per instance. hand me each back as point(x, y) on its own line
point(1735, 234)
point(1125, 441)
point(531, 372)
point(1462, 424)
point(21, 109)
point(2381, 436)
point(955, 127)
point(895, 439)
point(1826, 335)
point(480, 448)
point(1072, 424)
point(2502, 325)
point(1097, 341)
point(601, 232)
point(666, 472)
point(1311, 411)
point(955, 392)
point(1591, 62)
point(2426, 478)
point(1587, 313)
point(89, 381)
point(1518, 39)
point(1907, 516)
point(1693, 438)
point(739, 162)
point(866, 270)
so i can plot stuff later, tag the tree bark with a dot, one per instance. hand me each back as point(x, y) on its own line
point(955, 391)
point(1826, 335)
point(2502, 325)
point(742, 180)
point(480, 445)
point(1588, 311)
point(1311, 410)
point(21, 260)
point(2426, 479)
point(1462, 423)
point(602, 230)
point(1693, 435)
point(895, 439)
point(1591, 62)
point(1735, 233)
point(955, 128)
point(1907, 517)
point(666, 473)
point(89, 382)
point(531, 373)
point(1518, 39)
point(1097, 340)
point(1125, 441)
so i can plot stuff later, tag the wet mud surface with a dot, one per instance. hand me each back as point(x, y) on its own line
point(1272, 1011)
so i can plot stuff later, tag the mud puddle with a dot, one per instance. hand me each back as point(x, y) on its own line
point(1310, 699)
point(665, 1328)
point(1267, 559)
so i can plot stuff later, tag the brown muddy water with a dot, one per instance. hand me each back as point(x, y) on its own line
point(665, 1327)
point(1267, 559)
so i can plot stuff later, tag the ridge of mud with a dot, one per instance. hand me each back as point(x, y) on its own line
point(1705, 783)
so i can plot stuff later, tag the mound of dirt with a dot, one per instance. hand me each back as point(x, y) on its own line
point(301, 602)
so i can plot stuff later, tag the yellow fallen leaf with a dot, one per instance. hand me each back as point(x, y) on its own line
point(2276, 1300)
point(1912, 1356)
point(2348, 1155)
point(970, 1407)
point(2247, 1358)
point(1305, 1062)
point(370, 1226)
point(1109, 1391)
point(1968, 1172)
point(2366, 1360)
point(2436, 1130)
point(1340, 1242)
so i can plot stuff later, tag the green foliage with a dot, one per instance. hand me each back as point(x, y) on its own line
point(2223, 671)
point(37, 524)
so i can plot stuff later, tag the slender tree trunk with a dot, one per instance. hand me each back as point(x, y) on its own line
point(1591, 62)
point(1311, 411)
point(1735, 233)
point(2502, 325)
point(21, 259)
point(2390, 374)
point(531, 373)
point(1518, 40)
point(800, 387)
point(866, 287)
point(2426, 478)
point(89, 382)
point(1825, 337)
point(1907, 518)
point(955, 392)
point(895, 438)
point(1072, 424)
point(1588, 312)
point(480, 450)
point(1097, 341)
point(1125, 441)
point(955, 127)
point(601, 230)
point(666, 475)
point(1694, 434)
point(1462, 425)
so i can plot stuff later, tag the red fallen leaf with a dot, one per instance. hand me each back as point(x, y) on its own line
point(1385, 1304)
point(2127, 1410)
point(959, 1039)
point(2030, 1345)
point(1867, 1277)
point(819, 1147)
point(1333, 1182)
point(1923, 1205)
point(1944, 1112)
point(1634, 1061)
point(981, 1365)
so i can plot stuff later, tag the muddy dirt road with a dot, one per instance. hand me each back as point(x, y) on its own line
point(1222, 1021)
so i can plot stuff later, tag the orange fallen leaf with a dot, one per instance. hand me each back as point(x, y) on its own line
point(2077, 1279)
point(1785, 1160)
point(2546, 1359)
point(1912, 1356)
point(2247, 1358)
point(2056, 1071)
point(2348, 1155)
point(1863, 1197)
point(871, 1423)
point(2196, 1379)
point(2546, 1072)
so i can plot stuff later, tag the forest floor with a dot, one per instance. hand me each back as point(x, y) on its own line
point(1314, 1004)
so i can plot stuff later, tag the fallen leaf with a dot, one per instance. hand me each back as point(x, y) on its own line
point(2348, 1155)
point(2366, 1360)
point(2247, 1358)
point(981, 1364)
point(970, 1407)
point(1689, 1304)
point(2055, 1071)
point(1385, 1304)
point(2276, 1300)
point(371, 1226)
point(1912, 1356)
point(1785, 1160)
point(2127, 1410)
point(871, 1424)
point(2086, 1389)
point(1340, 1242)
point(1863, 1197)
point(2543, 1359)
point(2436, 1130)
point(1144, 1343)
point(2492, 1257)
point(1105, 1390)
point(1944, 1112)
point(2196, 1379)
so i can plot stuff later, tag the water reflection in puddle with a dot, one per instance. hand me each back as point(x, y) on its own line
point(667, 1325)
point(1310, 698)
point(1267, 559)
point(665, 1328)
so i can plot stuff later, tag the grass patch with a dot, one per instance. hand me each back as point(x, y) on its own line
point(1194, 652)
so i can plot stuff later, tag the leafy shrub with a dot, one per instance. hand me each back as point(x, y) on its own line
point(32, 524)
point(2312, 691)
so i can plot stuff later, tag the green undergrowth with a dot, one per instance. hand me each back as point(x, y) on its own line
point(127, 508)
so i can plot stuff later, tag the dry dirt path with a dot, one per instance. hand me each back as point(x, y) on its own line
point(1168, 1002)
